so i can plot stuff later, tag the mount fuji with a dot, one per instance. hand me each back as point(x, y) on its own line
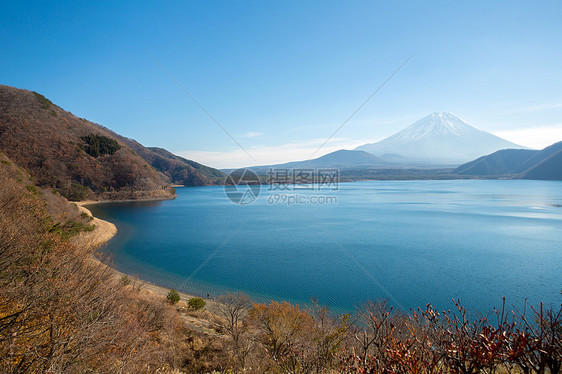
point(437, 139)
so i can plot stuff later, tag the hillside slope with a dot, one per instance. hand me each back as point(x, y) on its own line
point(504, 162)
point(214, 175)
point(174, 169)
point(540, 156)
point(517, 163)
point(550, 165)
point(63, 312)
point(70, 154)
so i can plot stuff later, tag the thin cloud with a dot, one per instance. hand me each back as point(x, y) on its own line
point(533, 137)
point(251, 134)
point(537, 108)
point(268, 155)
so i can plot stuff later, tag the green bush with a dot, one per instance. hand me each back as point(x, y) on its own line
point(196, 303)
point(45, 103)
point(97, 145)
point(76, 192)
point(32, 189)
point(70, 228)
point(86, 216)
point(125, 281)
point(173, 297)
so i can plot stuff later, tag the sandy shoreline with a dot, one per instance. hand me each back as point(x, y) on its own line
point(103, 232)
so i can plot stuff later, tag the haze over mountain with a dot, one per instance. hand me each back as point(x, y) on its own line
point(439, 139)
point(343, 159)
point(517, 163)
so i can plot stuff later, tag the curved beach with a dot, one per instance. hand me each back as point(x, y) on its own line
point(105, 231)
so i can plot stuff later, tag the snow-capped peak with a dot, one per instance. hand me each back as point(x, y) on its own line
point(436, 123)
point(439, 138)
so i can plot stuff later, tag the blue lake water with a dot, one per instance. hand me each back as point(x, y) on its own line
point(413, 242)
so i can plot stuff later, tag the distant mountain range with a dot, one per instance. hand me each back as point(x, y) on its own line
point(439, 139)
point(433, 148)
point(342, 159)
point(83, 160)
point(517, 163)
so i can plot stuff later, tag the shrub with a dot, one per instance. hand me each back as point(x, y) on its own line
point(86, 216)
point(77, 192)
point(32, 189)
point(173, 297)
point(45, 103)
point(125, 281)
point(97, 145)
point(196, 303)
point(70, 228)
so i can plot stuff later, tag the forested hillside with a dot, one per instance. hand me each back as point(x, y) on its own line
point(72, 155)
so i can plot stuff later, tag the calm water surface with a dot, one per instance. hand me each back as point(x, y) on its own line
point(413, 242)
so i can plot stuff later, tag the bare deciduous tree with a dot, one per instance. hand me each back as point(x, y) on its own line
point(232, 310)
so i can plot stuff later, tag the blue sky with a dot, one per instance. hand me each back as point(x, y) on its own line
point(281, 76)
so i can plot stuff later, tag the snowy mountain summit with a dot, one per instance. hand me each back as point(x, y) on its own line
point(437, 139)
point(437, 124)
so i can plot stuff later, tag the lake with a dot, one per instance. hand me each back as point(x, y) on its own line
point(412, 242)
